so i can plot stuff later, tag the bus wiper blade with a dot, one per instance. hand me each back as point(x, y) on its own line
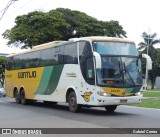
point(125, 69)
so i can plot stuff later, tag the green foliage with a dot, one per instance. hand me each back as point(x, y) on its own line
point(39, 27)
point(149, 41)
point(2, 69)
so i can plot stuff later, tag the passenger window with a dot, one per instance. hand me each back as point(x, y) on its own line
point(70, 54)
point(46, 57)
point(86, 62)
point(34, 58)
point(58, 55)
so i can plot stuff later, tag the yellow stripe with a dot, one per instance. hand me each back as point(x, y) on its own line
point(116, 91)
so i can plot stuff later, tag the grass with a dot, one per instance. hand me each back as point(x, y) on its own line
point(150, 102)
point(151, 94)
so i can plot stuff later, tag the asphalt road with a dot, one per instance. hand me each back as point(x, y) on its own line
point(38, 115)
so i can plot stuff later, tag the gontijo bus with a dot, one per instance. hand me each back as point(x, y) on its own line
point(87, 71)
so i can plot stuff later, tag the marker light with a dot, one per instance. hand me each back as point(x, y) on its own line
point(103, 94)
point(138, 93)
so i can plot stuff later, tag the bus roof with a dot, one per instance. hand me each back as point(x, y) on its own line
point(102, 38)
point(59, 43)
point(39, 47)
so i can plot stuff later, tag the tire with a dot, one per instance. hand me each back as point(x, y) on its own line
point(17, 96)
point(23, 99)
point(72, 102)
point(111, 108)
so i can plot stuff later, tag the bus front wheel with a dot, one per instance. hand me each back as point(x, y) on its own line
point(72, 101)
point(111, 108)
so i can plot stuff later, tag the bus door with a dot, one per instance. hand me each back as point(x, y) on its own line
point(86, 62)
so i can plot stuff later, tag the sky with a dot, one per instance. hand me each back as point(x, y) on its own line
point(135, 16)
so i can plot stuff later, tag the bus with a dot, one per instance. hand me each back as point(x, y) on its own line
point(83, 72)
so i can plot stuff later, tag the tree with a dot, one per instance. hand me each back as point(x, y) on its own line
point(2, 68)
point(39, 27)
point(155, 67)
point(147, 47)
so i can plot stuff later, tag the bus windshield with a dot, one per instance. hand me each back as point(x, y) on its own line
point(115, 48)
point(120, 64)
point(119, 71)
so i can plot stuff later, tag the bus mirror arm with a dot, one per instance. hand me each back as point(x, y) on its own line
point(97, 59)
point(148, 60)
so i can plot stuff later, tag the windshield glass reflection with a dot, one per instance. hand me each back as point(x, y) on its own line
point(115, 48)
point(118, 71)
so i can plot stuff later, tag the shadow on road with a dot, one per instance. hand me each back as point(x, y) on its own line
point(61, 108)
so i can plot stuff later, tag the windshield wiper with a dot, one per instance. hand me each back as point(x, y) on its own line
point(128, 74)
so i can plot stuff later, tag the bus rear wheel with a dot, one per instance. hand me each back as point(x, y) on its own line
point(23, 99)
point(111, 108)
point(72, 102)
point(17, 96)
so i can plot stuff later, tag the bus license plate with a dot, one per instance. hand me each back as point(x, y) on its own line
point(123, 101)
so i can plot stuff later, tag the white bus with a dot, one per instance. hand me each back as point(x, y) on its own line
point(87, 71)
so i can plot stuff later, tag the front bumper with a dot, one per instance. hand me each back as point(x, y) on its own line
point(104, 101)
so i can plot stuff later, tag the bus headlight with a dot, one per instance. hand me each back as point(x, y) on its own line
point(138, 93)
point(103, 94)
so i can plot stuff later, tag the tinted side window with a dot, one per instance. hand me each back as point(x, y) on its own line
point(18, 62)
point(26, 61)
point(54, 56)
point(70, 54)
point(9, 63)
point(84, 49)
point(34, 58)
point(58, 54)
point(45, 56)
point(86, 62)
point(90, 76)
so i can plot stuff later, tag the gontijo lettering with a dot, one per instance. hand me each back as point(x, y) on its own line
point(28, 74)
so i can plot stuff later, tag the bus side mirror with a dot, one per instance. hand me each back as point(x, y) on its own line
point(98, 60)
point(148, 60)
